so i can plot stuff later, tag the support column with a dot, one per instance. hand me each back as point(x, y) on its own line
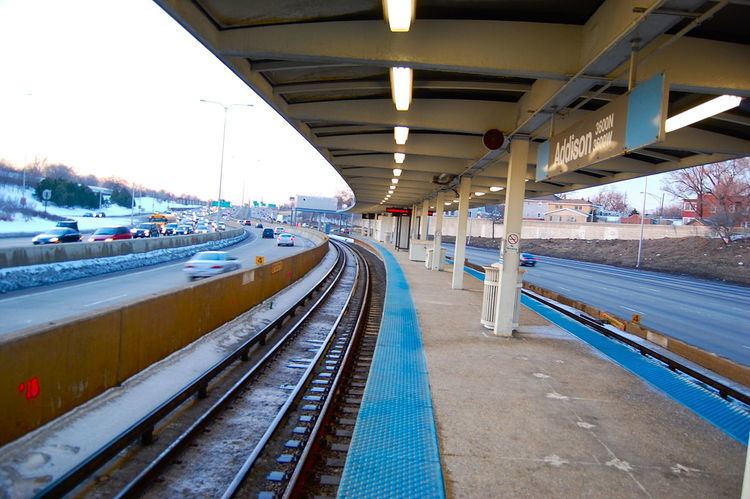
point(459, 253)
point(423, 221)
point(439, 205)
point(507, 299)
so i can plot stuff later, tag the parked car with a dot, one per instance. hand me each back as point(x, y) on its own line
point(278, 230)
point(57, 235)
point(68, 224)
point(145, 230)
point(88, 214)
point(110, 234)
point(268, 234)
point(168, 229)
point(259, 226)
point(202, 229)
point(210, 263)
point(100, 214)
point(527, 260)
point(285, 239)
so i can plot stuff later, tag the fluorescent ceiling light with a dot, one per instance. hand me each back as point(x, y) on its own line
point(401, 80)
point(455, 200)
point(399, 157)
point(394, 181)
point(400, 14)
point(702, 111)
point(447, 203)
point(401, 133)
point(397, 172)
point(432, 207)
point(479, 193)
point(496, 188)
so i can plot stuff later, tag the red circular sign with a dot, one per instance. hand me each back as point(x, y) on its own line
point(512, 238)
point(493, 139)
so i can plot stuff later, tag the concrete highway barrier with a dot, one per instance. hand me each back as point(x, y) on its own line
point(55, 253)
point(48, 371)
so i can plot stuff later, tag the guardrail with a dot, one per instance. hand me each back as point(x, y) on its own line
point(50, 370)
point(55, 253)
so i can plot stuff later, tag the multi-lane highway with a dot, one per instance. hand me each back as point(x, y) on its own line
point(711, 315)
point(82, 297)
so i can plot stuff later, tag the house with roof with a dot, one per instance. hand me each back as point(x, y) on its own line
point(566, 215)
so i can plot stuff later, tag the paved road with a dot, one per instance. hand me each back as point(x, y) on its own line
point(708, 314)
point(82, 297)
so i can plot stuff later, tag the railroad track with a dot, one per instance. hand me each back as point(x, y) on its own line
point(206, 440)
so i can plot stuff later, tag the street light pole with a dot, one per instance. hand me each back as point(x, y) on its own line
point(223, 143)
point(643, 213)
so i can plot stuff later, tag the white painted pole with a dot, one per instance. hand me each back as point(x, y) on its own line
point(423, 220)
point(459, 253)
point(514, 194)
point(438, 244)
point(643, 215)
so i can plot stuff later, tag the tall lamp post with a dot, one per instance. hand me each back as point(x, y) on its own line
point(643, 214)
point(223, 143)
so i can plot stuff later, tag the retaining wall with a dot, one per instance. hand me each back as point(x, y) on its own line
point(48, 371)
point(54, 253)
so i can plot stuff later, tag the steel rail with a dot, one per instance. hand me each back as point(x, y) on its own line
point(301, 469)
point(143, 428)
point(247, 466)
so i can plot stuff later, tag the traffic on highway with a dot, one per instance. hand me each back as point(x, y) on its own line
point(710, 315)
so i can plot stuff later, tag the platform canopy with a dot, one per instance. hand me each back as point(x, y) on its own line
point(477, 65)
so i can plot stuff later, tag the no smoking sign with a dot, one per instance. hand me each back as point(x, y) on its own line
point(512, 241)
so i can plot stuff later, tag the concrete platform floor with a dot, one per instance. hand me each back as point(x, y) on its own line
point(545, 415)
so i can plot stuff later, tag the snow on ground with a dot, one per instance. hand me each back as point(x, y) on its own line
point(116, 215)
point(45, 454)
point(29, 276)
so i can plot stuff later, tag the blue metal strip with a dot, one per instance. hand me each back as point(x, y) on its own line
point(729, 417)
point(394, 449)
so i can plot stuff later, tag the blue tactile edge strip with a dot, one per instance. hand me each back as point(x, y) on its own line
point(731, 419)
point(394, 449)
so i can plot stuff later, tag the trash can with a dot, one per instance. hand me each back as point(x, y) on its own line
point(428, 260)
point(489, 301)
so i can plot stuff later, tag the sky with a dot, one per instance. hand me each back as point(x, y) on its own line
point(113, 88)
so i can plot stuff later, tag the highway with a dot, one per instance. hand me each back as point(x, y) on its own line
point(708, 314)
point(78, 298)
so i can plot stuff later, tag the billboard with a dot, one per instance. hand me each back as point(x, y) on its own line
point(316, 203)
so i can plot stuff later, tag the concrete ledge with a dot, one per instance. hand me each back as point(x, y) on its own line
point(55, 253)
point(50, 370)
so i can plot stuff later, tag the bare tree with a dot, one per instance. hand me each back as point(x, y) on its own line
point(719, 194)
point(345, 198)
point(612, 200)
point(672, 211)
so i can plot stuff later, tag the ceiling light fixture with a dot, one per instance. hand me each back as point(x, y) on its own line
point(401, 133)
point(399, 157)
point(400, 14)
point(479, 193)
point(397, 172)
point(496, 188)
point(702, 111)
point(394, 181)
point(401, 83)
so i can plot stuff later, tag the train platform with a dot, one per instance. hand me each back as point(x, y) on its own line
point(542, 414)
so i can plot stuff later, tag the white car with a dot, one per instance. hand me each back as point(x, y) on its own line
point(285, 239)
point(210, 263)
point(202, 229)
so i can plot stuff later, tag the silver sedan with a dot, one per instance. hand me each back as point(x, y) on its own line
point(210, 263)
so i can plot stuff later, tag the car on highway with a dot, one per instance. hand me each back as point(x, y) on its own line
point(527, 260)
point(278, 230)
point(145, 230)
point(100, 214)
point(221, 226)
point(259, 226)
point(88, 214)
point(184, 230)
point(110, 234)
point(249, 222)
point(268, 234)
point(210, 263)
point(57, 235)
point(168, 229)
point(285, 239)
point(202, 229)
point(68, 224)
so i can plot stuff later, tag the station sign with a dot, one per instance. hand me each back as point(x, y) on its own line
point(631, 121)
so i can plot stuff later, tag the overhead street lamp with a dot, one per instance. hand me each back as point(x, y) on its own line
point(223, 143)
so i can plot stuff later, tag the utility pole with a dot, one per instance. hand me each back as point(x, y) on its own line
point(643, 214)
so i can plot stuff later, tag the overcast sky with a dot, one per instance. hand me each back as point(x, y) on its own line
point(115, 89)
